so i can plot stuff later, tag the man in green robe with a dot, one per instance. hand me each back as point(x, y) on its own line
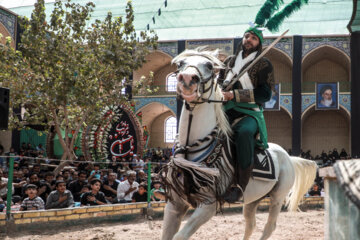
point(245, 100)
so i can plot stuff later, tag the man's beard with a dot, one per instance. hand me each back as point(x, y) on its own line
point(328, 103)
point(250, 50)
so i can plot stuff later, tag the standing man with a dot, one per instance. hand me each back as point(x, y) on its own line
point(245, 99)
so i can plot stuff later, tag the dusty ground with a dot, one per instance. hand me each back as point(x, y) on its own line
point(295, 226)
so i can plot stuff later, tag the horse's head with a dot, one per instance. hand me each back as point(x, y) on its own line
point(196, 73)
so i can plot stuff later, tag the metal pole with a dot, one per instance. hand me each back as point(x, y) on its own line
point(148, 182)
point(9, 187)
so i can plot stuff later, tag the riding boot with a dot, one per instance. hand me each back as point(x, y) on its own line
point(235, 192)
point(244, 177)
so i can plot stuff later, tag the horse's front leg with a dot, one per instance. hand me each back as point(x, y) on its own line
point(173, 214)
point(200, 216)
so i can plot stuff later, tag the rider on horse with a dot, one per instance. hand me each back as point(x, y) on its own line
point(245, 100)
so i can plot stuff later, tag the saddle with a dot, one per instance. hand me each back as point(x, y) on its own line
point(264, 168)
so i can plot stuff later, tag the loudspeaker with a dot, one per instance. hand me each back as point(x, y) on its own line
point(4, 108)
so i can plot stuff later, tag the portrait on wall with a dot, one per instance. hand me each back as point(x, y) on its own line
point(327, 96)
point(274, 103)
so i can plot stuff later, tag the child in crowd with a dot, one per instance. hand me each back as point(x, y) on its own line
point(94, 197)
point(32, 202)
point(157, 188)
point(140, 195)
point(95, 173)
point(15, 205)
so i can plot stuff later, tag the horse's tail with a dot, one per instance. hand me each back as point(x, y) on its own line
point(305, 173)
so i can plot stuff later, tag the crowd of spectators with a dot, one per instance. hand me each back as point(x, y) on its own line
point(123, 180)
point(325, 158)
point(81, 183)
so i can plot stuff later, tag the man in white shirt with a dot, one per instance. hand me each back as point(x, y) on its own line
point(127, 188)
point(3, 185)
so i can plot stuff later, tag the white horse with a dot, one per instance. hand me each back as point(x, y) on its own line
point(199, 155)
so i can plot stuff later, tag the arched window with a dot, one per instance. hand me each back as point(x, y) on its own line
point(170, 129)
point(171, 82)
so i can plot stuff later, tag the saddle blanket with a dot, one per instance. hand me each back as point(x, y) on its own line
point(348, 176)
point(264, 168)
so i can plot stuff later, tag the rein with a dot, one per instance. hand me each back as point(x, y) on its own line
point(185, 149)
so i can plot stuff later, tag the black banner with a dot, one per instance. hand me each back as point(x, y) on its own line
point(122, 139)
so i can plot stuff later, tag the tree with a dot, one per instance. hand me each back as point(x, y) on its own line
point(67, 70)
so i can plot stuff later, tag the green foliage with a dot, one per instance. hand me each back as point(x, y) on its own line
point(67, 70)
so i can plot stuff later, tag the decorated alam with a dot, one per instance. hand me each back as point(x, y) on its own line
point(180, 119)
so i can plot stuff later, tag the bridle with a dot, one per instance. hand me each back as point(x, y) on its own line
point(201, 89)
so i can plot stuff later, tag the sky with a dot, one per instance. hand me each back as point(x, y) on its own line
point(19, 3)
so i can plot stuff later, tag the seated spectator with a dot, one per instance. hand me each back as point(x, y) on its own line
point(2, 204)
point(60, 198)
point(2, 159)
point(18, 178)
point(315, 191)
point(15, 205)
point(30, 150)
point(127, 188)
point(139, 163)
point(40, 149)
point(343, 154)
point(36, 169)
point(335, 154)
point(109, 188)
point(74, 175)
point(49, 179)
point(76, 186)
point(4, 183)
point(66, 176)
point(94, 197)
point(114, 165)
point(86, 188)
point(16, 166)
point(141, 177)
point(43, 188)
point(157, 188)
point(59, 177)
point(81, 164)
point(32, 202)
point(11, 153)
point(26, 171)
point(140, 195)
point(95, 173)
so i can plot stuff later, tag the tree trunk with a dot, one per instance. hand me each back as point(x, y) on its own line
point(68, 144)
point(67, 155)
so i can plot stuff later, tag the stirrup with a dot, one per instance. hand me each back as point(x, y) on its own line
point(234, 193)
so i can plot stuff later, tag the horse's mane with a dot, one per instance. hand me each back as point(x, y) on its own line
point(200, 51)
point(221, 117)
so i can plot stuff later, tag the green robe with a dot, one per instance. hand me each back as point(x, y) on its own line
point(252, 122)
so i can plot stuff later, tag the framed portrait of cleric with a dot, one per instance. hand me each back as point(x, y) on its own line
point(327, 96)
point(274, 103)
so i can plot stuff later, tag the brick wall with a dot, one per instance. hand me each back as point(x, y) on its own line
point(31, 220)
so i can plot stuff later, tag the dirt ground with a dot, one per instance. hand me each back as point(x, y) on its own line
point(295, 226)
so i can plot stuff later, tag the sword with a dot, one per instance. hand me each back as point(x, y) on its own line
point(228, 87)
